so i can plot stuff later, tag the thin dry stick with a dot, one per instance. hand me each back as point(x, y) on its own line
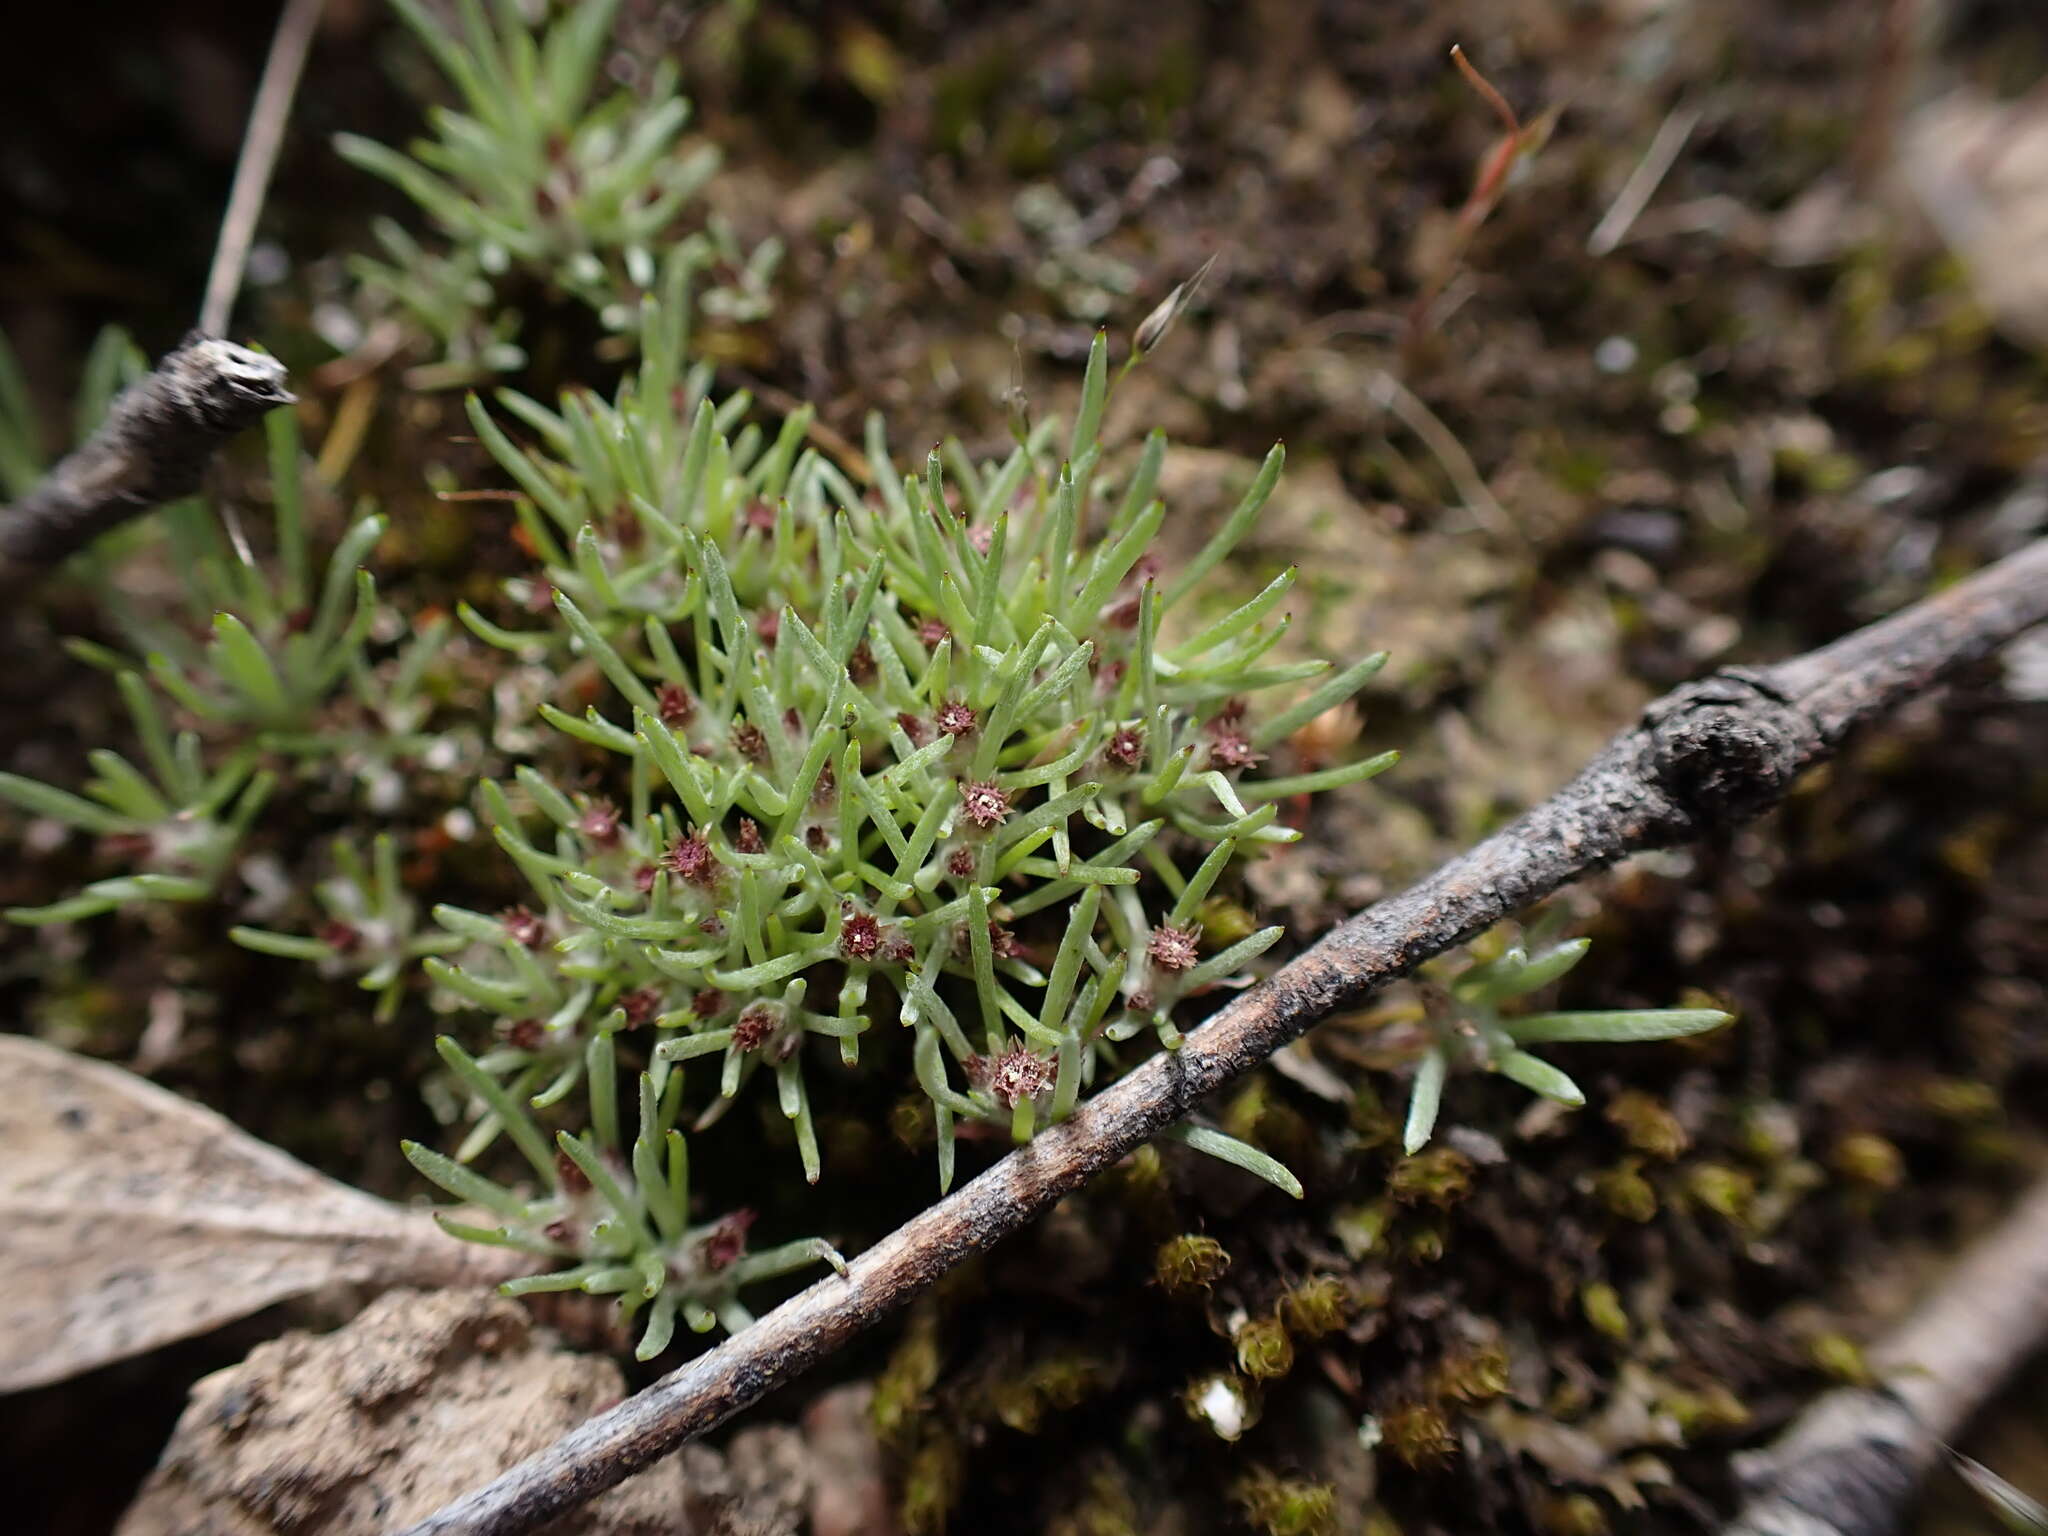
point(265, 133)
point(1643, 181)
point(162, 432)
point(1443, 444)
point(1702, 758)
point(153, 447)
point(1849, 1464)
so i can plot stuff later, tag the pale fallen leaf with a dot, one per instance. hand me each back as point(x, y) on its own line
point(1979, 168)
point(134, 1217)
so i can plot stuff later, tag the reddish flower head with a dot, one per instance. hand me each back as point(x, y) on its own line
point(569, 1178)
point(986, 804)
point(690, 858)
point(756, 1024)
point(860, 936)
point(525, 928)
point(1231, 748)
point(726, 1240)
point(342, 938)
point(1012, 1077)
point(600, 823)
point(1125, 747)
point(641, 1006)
point(1172, 949)
point(676, 707)
point(955, 718)
point(523, 1034)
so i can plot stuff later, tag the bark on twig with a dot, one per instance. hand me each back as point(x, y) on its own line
point(1849, 1465)
point(1704, 757)
point(153, 447)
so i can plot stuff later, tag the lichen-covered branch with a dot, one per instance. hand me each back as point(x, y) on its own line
point(152, 448)
point(1701, 759)
point(1849, 1465)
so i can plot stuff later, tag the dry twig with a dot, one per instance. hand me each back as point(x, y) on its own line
point(260, 143)
point(1849, 1464)
point(154, 446)
point(1702, 758)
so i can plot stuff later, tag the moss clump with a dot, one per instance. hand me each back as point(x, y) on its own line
point(1625, 1192)
point(1280, 1506)
point(1602, 1305)
point(1727, 1192)
point(1572, 1514)
point(1320, 1305)
point(905, 1383)
point(1869, 1160)
point(1473, 1374)
point(1418, 1434)
point(931, 1487)
point(1190, 1262)
point(1264, 1350)
point(1024, 1400)
point(1647, 1125)
point(1440, 1176)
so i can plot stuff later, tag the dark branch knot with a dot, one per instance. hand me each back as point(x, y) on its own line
point(1727, 747)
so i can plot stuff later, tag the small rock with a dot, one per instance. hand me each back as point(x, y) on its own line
point(360, 1432)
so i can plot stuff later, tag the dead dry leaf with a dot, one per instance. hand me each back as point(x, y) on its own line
point(1980, 170)
point(135, 1217)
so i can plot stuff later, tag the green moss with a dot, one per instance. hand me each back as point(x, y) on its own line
point(1190, 1262)
point(1418, 1434)
point(903, 1387)
point(1840, 1357)
point(1473, 1374)
point(1648, 1126)
point(1625, 1192)
point(1224, 922)
point(1602, 1305)
point(1318, 1306)
point(1264, 1351)
point(1049, 1386)
point(931, 1488)
point(1869, 1160)
point(1709, 1410)
point(1280, 1506)
point(1728, 1192)
point(1572, 1514)
point(1440, 1176)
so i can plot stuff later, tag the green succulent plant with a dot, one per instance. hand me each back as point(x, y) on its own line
point(968, 755)
point(372, 927)
point(538, 176)
point(1471, 1024)
point(249, 660)
point(179, 829)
